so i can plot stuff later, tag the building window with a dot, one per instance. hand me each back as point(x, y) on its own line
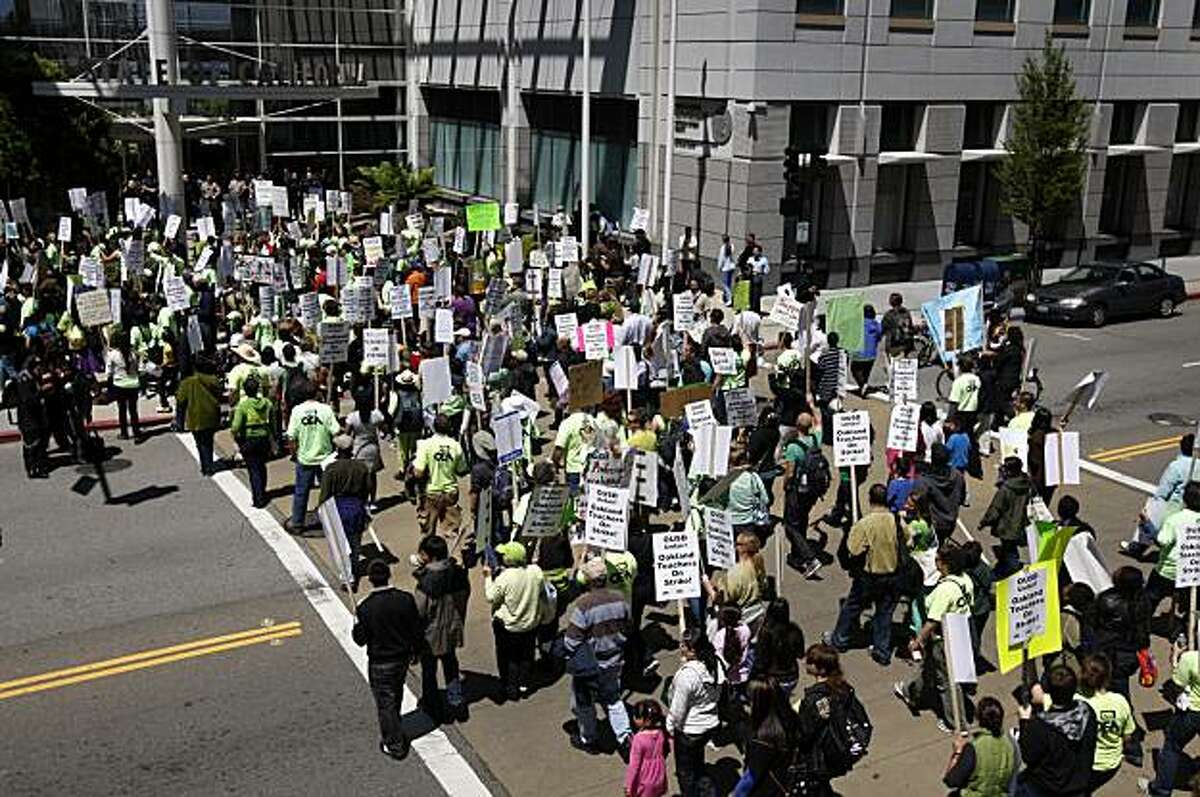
point(1186, 125)
point(980, 126)
point(826, 8)
point(1141, 14)
point(1072, 12)
point(898, 126)
point(810, 127)
point(1124, 123)
point(1196, 18)
point(912, 9)
point(994, 10)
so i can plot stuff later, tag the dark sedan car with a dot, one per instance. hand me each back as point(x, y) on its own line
point(1094, 293)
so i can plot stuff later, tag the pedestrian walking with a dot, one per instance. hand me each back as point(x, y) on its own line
point(199, 399)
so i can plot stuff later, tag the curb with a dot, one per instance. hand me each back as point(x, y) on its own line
point(104, 425)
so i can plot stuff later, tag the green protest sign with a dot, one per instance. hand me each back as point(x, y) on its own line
point(483, 216)
point(844, 315)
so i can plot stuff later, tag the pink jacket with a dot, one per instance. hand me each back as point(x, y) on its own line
point(646, 775)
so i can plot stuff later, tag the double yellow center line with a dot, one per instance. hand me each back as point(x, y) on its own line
point(146, 658)
point(1136, 450)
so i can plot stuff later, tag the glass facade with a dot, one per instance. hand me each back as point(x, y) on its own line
point(313, 41)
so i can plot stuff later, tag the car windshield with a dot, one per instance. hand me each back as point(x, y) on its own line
point(1091, 275)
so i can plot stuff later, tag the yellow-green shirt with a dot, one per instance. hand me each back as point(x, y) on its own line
point(1187, 675)
point(440, 458)
point(964, 392)
point(312, 426)
point(575, 433)
point(951, 595)
point(1114, 721)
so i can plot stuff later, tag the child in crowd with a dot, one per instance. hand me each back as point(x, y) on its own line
point(646, 774)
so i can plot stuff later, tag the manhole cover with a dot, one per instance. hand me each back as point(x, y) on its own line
point(1170, 419)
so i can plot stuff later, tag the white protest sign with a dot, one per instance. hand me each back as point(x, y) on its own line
point(684, 305)
point(956, 631)
point(640, 220)
point(905, 427)
point(647, 269)
point(1085, 564)
point(172, 227)
point(533, 284)
point(78, 199)
point(176, 292)
point(643, 478)
point(904, 380)
point(443, 325)
point(414, 222)
point(372, 249)
point(264, 193)
point(335, 536)
point(335, 341)
point(543, 518)
point(718, 538)
point(851, 438)
point(401, 301)
point(279, 202)
point(710, 450)
point(506, 429)
point(562, 383)
point(625, 368)
point(740, 407)
point(441, 281)
point(568, 250)
point(513, 257)
point(724, 361)
point(565, 325)
point(607, 521)
point(1026, 606)
point(94, 308)
point(385, 223)
point(595, 340)
point(135, 257)
point(333, 200)
point(376, 343)
point(114, 304)
point(64, 229)
point(91, 272)
point(460, 240)
point(206, 228)
point(676, 565)
point(787, 313)
point(431, 250)
point(1187, 570)
point(345, 202)
point(435, 380)
point(129, 209)
point(426, 301)
point(310, 310)
point(1062, 461)
point(474, 379)
point(266, 301)
point(511, 211)
point(699, 413)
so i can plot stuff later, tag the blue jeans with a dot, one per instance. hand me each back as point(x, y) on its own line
point(727, 285)
point(604, 689)
point(1008, 559)
point(1183, 728)
point(306, 477)
point(204, 449)
point(868, 590)
point(574, 483)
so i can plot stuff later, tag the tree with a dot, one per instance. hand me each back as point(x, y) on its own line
point(1042, 177)
point(49, 144)
point(390, 183)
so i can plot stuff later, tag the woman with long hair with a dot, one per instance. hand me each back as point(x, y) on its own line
point(121, 370)
point(692, 713)
point(829, 698)
point(744, 583)
point(778, 648)
point(769, 748)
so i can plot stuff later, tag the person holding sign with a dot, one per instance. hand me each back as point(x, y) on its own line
point(1007, 516)
point(439, 463)
point(984, 762)
point(1161, 583)
point(953, 593)
point(1185, 723)
point(1058, 745)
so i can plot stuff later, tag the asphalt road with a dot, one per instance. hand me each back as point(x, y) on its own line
point(279, 709)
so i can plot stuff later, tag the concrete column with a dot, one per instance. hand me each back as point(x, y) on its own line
point(168, 136)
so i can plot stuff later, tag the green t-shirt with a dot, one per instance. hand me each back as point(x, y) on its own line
point(574, 436)
point(799, 447)
point(1187, 675)
point(1168, 539)
point(964, 392)
point(1114, 721)
point(312, 426)
point(951, 595)
point(440, 458)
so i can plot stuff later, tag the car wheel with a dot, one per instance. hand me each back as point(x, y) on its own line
point(1099, 315)
point(1166, 308)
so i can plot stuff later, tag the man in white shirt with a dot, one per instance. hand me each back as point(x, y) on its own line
point(759, 268)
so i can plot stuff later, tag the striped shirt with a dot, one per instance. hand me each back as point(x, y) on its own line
point(600, 616)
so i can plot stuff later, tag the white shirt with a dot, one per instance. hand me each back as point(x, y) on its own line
point(746, 325)
point(633, 331)
point(760, 266)
point(725, 259)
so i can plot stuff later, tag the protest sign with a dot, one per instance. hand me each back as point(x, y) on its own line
point(787, 313)
point(426, 301)
point(565, 325)
point(676, 565)
point(64, 229)
point(94, 308)
point(568, 250)
point(279, 202)
point(206, 255)
point(172, 227)
point(544, 516)
point(460, 240)
point(114, 304)
point(586, 387)
point(264, 193)
point(401, 301)
point(1027, 614)
point(597, 339)
point(513, 257)
point(718, 538)
point(511, 212)
point(176, 292)
point(904, 380)
point(195, 336)
point(385, 223)
point(740, 408)
point(851, 438)
point(376, 343)
point(91, 272)
point(538, 259)
point(310, 310)
point(414, 221)
point(18, 212)
point(335, 341)
point(956, 631)
point(1187, 569)
point(640, 219)
point(643, 478)
point(335, 536)
point(1085, 564)
point(206, 228)
point(710, 450)
point(684, 305)
point(77, 197)
point(558, 377)
point(905, 427)
point(625, 368)
point(607, 521)
point(506, 429)
point(266, 301)
point(431, 250)
point(443, 325)
point(483, 216)
point(673, 402)
point(435, 380)
point(333, 200)
point(372, 249)
point(533, 284)
point(724, 361)
point(1062, 458)
point(474, 380)
point(647, 269)
point(844, 315)
point(700, 413)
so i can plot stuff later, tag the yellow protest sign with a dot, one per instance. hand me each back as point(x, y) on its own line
point(1027, 614)
point(483, 216)
point(1053, 542)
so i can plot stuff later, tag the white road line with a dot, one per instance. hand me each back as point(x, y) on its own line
point(1117, 476)
point(1192, 364)
point(437, 753)
point(1072, 335)
point(962, 527)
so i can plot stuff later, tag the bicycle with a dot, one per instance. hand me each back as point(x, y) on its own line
point(945, 380)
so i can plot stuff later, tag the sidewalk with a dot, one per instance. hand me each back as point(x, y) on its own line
point(104, 418)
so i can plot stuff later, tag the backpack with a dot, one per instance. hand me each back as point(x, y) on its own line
point(811, 476)
point(902, 333)
point(410, 415)
point(844, 740)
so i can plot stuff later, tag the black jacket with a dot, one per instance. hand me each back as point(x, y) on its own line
point(389, 625)
point(1057, 748)
point(1120, 623)
point(946, 489)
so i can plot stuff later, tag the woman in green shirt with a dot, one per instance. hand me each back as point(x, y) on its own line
point(1114, 719)
point(253, 420)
